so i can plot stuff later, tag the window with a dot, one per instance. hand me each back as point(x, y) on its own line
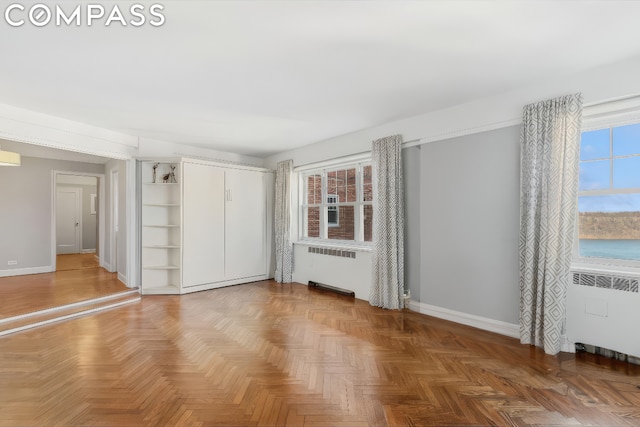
point(337, 204)
point(609, 195)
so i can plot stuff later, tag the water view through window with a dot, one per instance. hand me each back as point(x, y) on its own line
point(609, 193)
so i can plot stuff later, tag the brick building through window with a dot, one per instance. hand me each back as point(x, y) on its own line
point(338, 204)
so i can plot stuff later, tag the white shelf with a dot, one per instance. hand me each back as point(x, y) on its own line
point(161, 183)
point(162, 247)
point(162, 267)
point(161, 290)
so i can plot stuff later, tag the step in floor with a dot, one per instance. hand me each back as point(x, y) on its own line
point(23, 322)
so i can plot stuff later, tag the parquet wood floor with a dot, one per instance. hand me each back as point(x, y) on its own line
point(26, 294)
point(265, 354)
point(76, 262)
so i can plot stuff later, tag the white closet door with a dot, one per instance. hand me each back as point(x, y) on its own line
point(245, 224)
point(203, 257)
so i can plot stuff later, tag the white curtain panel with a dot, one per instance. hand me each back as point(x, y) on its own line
point(550, 144)
point(284, 248)
point(387, 287)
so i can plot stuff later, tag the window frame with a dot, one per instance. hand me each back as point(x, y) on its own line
point(596, 263)
point(358, 204)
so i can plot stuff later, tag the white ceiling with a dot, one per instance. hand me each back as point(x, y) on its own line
point(261, 77)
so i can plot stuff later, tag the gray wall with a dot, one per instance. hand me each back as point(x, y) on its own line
point(25, 210)
point(89, 222)
point(469, 224)
point(412, 259)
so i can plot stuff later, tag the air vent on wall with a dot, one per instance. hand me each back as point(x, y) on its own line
point(618, 283)
point(332, 252)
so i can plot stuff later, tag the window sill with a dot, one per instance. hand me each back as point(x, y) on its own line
point(603, 268)
point(331, 245)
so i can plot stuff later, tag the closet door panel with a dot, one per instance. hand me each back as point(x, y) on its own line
point(203, 225)
point(245, 225)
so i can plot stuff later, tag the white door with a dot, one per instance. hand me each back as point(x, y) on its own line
point(203, 225)
point(245, 224)
point(68, 217)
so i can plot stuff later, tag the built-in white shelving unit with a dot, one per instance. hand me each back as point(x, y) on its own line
point(161, 224)
point(207, 230)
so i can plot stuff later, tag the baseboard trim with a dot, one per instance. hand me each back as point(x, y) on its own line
point(484, 323)
point(122, 278)
point(88, 251)
point(107, 267)
point(25, 271)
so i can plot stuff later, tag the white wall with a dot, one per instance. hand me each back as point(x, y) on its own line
point(25, 213)
point(348, 273)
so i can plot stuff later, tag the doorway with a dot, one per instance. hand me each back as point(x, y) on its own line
point(78, 221)
point(68, 220)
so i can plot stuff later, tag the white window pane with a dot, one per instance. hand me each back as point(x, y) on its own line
point(626, 172)
point(626, 140)
point(595, 145)
point(594, 175)
point(345, 229)
point(368, 223)
point(312, 221)
point(609, 226)
point(367, 183)
point(314, 187)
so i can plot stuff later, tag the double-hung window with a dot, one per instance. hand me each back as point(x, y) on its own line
point(336, 204)
point(609, 196)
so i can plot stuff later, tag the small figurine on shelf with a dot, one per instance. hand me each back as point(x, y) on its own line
point(155, 166)
point(172, 175)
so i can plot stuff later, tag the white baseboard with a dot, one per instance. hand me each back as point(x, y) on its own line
point(122, 278)
point(25, 271)
point(88, 251)
point(107, 267)
point(484, 323)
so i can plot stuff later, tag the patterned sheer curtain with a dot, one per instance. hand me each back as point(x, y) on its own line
point(550, 144)
point(284, 248)
point(387, 286)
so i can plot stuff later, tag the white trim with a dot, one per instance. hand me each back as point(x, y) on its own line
point(114, 208)
point(464, 132)
point(25, 271)
point(22, 125)
point(133, 225)
point(337, 162)
point(334, 245)
point(484, 323)
point(614, 270)
point(123, 279)
point(67, 317)
point(67, 306)
point(88, 251)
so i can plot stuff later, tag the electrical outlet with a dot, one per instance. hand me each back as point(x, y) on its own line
point(12, 262)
